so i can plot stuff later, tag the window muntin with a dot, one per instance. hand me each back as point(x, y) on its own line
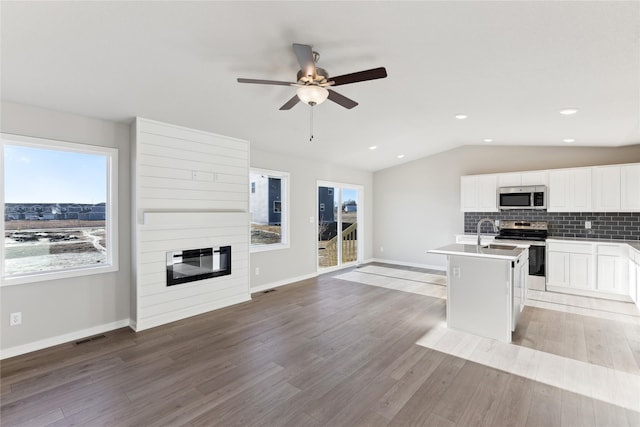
point(58, 201)
point(268, 206)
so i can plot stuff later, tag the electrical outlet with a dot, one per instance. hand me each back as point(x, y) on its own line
point(587, 225)
point(15, 319)
point(456, 272)
point(257, 271)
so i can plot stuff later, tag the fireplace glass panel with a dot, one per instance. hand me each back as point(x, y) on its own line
point(197, 264)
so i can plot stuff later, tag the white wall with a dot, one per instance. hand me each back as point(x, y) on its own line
point(299, 260)
point(71, 307)
point(417, 204)
point(64, 310)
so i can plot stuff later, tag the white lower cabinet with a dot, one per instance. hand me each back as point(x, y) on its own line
point(520, 275)
point(634, 276)
point(612, 267)
point(570, 265)
point(591, 267)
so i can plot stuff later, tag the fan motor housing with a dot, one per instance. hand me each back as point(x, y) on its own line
point(321, 75)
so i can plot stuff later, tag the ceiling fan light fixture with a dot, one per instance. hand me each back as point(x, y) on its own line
point(312, 95)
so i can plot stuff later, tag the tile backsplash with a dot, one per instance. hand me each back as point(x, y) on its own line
point(604, 225)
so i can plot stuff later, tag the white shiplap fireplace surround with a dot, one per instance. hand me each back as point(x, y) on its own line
point(190, 190)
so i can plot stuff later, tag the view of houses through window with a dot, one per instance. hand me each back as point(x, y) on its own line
point(56, 207)
point(268, 208)
point(337, 225)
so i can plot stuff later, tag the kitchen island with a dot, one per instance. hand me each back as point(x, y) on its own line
point(486, 287)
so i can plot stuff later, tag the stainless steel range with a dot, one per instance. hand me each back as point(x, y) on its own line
point(533, 233)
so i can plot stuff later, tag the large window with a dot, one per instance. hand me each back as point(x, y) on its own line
point(59, 209)
point(268, 201)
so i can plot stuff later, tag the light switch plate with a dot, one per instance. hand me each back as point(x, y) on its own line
point(587, 225)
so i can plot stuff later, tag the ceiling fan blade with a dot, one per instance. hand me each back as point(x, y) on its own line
point(265, 82)
point(290, 103)
point(341, 99)
point(360, 76)
point(305, 59)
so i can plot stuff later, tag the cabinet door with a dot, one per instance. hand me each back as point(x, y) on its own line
point(580, 271)
point(613, 269)
point(487, 193)
point(534, 178)
point(558, 269)
point(607, 273)
point(607, 189)
point(633, 280)
point(509, 179)
point(469, 193)
point(580, 184)
point(559, 190)
point(630, 187)
point(637, 299)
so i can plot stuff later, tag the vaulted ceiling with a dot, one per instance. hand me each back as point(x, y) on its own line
point(509, 66)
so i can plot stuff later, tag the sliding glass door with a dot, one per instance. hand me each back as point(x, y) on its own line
point(339, 219)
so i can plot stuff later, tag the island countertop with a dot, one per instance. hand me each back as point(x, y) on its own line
point(479, 251)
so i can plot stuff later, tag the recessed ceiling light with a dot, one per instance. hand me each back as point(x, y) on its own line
point(487, 140)
point(461, 116)
point(400, 156)
point(569, 140)
point(373, 147)
point(568, 111)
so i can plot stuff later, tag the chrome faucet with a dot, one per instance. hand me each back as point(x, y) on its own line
point(493, 224)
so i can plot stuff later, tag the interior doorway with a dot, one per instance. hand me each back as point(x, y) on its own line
point(339, 227)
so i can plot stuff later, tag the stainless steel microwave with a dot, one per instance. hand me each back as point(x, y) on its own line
point(524, 197)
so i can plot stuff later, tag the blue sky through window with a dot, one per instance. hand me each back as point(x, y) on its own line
point(36, 175)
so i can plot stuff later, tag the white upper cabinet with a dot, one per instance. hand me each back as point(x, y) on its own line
point(613, 188)
point(570, 190)
point(478, 193)
point(606, 188)
point(534, 178)
point(468, 193)
point(487, 193)
point(616, 188)
point(516, 179)
point(509, 179)
point(630, 187)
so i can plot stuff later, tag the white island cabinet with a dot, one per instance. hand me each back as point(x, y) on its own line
point(486, 288)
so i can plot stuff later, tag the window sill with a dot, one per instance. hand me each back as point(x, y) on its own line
point(56, 275)
point(265, 248)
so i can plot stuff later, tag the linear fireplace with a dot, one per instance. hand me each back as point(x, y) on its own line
point(197, 264)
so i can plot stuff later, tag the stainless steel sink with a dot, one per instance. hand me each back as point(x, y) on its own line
point(498, 246)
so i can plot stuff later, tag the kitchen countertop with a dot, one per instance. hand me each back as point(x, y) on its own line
point(478, 251)
point(633, 243)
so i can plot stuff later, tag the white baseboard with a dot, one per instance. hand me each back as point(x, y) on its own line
point(61, 339)
point(410, 264)
point(282, 282)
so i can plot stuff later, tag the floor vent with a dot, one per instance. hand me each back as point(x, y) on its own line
point(86, 340)
point(268, 290)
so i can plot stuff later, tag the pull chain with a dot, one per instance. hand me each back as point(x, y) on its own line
point(311, 126)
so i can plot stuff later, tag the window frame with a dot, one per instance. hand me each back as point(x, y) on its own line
point(284, 212)
point(111, 209)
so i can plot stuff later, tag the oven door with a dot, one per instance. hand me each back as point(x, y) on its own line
point(537, 252)
point(537, 260)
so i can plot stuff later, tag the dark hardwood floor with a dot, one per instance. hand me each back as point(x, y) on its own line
point(322, 352)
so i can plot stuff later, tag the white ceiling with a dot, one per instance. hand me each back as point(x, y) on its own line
point(510, 66)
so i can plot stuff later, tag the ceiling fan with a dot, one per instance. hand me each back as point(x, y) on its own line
point(313, 82)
